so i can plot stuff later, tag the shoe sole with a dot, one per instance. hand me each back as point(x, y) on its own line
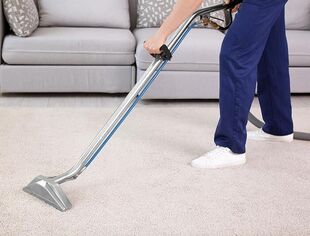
point(272, 139)
point(237, 163)
point(269, 137)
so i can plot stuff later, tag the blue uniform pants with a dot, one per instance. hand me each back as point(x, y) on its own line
point(254, 50)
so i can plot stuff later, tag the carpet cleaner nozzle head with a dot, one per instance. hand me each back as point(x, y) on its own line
point(48, 190)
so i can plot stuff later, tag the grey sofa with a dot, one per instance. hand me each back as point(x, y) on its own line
point(27, 66)
point(68, 59)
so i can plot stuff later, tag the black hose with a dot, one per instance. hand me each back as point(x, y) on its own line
point(297, 135)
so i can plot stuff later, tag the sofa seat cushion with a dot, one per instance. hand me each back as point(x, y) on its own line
point(69, 46)
point(299, 47)
point(198, 52)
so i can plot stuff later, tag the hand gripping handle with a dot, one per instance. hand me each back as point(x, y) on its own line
point(165, 52)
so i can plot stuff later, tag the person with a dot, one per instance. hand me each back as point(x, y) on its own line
point(254, 50)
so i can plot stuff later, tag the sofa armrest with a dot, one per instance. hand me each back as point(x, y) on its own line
point(2, 29)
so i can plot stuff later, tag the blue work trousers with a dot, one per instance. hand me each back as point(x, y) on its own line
point(254, 50)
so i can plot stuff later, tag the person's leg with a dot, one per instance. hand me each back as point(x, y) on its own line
point(274, 82)
point(241, 52)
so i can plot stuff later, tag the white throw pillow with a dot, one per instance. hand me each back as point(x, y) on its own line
point(152, 13)
point(297, 14)
point(90, 13)
point(22, 16)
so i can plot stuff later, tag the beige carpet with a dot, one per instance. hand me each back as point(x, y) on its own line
point(142, 183)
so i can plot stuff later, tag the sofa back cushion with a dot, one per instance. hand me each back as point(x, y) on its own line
point(298, 14)
point(90, 13)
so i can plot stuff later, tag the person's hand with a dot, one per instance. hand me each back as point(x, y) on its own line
point(236, 8)
point(153, 44)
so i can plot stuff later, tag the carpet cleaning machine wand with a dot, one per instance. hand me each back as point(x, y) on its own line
point(48, 188)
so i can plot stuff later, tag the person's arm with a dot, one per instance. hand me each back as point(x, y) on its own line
point(180, 12)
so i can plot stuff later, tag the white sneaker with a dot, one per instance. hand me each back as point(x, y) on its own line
point(218, 158)
point(263, 136)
